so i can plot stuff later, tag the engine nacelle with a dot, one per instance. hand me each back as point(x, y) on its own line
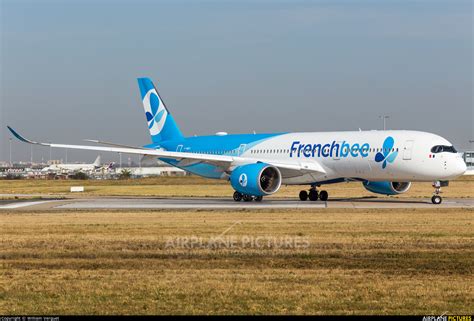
point(387, 188)
point(258, 179)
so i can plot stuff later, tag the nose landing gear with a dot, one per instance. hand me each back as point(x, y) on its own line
point(436, 199)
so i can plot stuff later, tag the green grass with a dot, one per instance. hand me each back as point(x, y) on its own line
point(358, 262)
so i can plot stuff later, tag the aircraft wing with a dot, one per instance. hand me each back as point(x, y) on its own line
point(184, 158)
point(100, 142)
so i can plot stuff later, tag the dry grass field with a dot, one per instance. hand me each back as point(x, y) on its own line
point(200, 187)
point(352, 262)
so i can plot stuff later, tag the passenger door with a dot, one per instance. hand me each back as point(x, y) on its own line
point(408, 150)
point(242, 149)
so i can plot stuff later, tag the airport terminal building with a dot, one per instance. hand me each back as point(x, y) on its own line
point(469, 160)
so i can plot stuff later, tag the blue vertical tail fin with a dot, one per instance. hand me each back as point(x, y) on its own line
point(161, 124)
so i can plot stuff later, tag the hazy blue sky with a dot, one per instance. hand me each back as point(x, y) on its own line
point(69, 68)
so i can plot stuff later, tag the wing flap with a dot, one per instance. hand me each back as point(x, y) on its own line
point(100, 142)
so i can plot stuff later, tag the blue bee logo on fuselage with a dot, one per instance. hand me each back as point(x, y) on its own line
point(388, 153)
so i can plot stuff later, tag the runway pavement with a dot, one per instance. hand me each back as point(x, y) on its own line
point(227, 203)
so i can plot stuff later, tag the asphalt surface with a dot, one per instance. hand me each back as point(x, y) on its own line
point(227, 203)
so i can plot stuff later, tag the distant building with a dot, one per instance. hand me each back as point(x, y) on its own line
point(469, 160)
point(152, 171)
point(55, 162)
point(4, 164)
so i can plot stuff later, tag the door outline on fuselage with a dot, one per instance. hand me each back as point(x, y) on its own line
point(179, 148)
point(242, 148)
point(408, 149)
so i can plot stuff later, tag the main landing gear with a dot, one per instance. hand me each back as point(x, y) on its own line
point(436, 199)
point(246, 198)
point(313, 195)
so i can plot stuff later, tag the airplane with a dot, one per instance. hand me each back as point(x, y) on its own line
point(73, 167)
point(257, 165)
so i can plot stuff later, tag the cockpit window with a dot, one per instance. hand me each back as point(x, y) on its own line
point(442, 148)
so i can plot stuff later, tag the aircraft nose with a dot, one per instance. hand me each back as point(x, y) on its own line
point(461, 166)
point(455, 168)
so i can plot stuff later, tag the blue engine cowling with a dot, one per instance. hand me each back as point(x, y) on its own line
point(387, 188)
point(258, 179)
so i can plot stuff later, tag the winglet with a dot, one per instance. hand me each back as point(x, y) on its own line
point(23, 139)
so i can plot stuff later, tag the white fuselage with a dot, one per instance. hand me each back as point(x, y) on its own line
point(353, 155)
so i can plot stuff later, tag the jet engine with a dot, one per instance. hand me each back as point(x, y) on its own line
point(387, 188)
point(257, 179)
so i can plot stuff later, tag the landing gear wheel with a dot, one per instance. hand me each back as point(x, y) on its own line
point(323, 196)
point(313, 195)
point(258, 198)
point(303, 196)
point(248, 198)
point(436, 199)
point(237, 196)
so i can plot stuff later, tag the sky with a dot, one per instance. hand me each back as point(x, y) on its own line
point(69, 68)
